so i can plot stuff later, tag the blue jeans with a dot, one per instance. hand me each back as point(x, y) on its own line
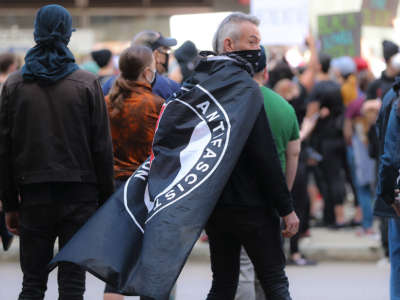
point(364, 192)
point(365, 201)
point(394, 253)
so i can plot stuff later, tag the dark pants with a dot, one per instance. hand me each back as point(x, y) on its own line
point(48, 211)
point(301, 203)
point(230, 228)
point(4, 234)
point(330, 178)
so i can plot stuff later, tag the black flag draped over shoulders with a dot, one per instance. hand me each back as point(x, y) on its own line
point(139, 240)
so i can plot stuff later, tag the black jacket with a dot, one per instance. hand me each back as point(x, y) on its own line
point(54, 133)
point(257, 179)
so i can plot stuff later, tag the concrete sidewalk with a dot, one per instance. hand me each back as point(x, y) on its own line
point(323, 245)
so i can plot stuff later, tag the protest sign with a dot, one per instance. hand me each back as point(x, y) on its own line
point(340, 34)
point(379, 12)
point(283, 22)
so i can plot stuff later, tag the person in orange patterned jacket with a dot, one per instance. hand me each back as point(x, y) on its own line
point(133, 110)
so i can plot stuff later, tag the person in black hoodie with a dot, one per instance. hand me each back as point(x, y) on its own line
point(56, 160)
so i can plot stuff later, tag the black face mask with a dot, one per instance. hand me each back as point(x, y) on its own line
point(250, 56)
point(165, 64)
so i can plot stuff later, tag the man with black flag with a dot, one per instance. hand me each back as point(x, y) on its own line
point(246, 214)
point(214, 163)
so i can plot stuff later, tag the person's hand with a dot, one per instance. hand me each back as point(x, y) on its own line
point(324, 112)
point(12, 222)
point(396, 203)
point(291, 225)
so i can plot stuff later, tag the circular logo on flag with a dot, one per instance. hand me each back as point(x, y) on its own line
point(191, 139)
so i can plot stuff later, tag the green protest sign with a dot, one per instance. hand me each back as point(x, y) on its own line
point(379, 12)
point(340, 34)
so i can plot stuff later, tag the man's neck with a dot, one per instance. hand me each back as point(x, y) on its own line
point(389, 72)
point(258, 80)
point(322, 76)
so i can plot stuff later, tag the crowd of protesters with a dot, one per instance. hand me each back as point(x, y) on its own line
point(322, 115)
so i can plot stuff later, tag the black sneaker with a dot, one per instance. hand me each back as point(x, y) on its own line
point(7, 241)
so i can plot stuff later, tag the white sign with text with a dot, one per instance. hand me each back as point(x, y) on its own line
point(283, 22)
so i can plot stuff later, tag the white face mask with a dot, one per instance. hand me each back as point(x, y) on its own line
point(154, 76)
point(395, 62)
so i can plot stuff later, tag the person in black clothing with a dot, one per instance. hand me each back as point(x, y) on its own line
point(327, 139)
point(56, 160)
point(244, 216)
point(375, 93)
point(377, 89)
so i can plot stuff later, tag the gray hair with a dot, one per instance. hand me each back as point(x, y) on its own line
point(229, 28)
point(145, 38)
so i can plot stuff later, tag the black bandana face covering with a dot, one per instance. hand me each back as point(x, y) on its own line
point(165, 64)
point(251, 56)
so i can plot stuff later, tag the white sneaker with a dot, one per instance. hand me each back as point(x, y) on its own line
point(383, 262)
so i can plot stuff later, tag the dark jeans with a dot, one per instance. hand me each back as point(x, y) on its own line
point(330, 177)
point(301, 203)
point(48, 211)
point(230, 228)
point(4, 234)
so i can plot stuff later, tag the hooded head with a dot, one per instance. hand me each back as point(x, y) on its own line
point(50, 60)
point(53, 23)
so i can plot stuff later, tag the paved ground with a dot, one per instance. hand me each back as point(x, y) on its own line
point(324, 244)
point(327, 281)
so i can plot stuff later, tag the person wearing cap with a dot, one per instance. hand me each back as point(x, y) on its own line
point(161, 46)
point(56, 158)
point(345, 68)
point(360, 172)
point(184, 62)
point(103, 59)
point(377, 89)
point(387, 204)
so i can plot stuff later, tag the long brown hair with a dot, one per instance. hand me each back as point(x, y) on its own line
point(132, 62)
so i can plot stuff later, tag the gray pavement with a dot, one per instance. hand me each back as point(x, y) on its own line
point(323, 245)
point(327, 281)
point(348, 270)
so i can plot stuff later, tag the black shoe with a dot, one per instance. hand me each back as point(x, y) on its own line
point(338, 226)
point(354, 223)
point(7, 241)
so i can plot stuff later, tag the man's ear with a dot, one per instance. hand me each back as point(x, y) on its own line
point(265, 75)
point(229, 45)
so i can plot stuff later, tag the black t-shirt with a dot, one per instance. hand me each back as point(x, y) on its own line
point(328, 94)
point(300, 103)
point(379, 87)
